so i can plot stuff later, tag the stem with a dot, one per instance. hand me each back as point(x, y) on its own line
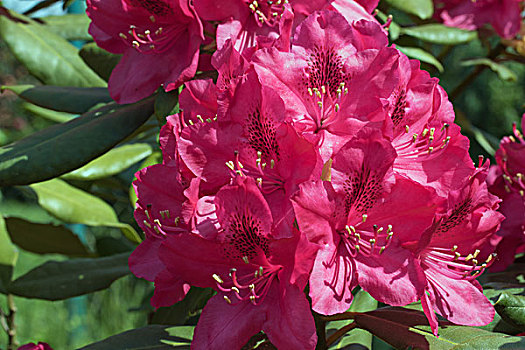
point(12, 344)
point(320, 327)
point(342, 316)
point(340, 332)
point(3, 321)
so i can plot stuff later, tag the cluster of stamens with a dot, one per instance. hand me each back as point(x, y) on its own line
point(270, 180)
point(156, 40)
point(425, 143)
point(364, 242)
point(513, 183)
point(170, 224)
point(328, 104)
point(267, 12)
point(251, 286)
point(455, 265)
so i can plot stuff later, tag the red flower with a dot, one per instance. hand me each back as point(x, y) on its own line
point(259, 279)
point(33, 346)
point(159, 40)
point(503, 15)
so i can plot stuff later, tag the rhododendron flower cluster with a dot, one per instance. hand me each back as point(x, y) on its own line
point(503, 15)
point(321, 159)
point(506, 180)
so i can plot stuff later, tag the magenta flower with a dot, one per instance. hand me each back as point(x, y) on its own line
point(259, 279)
point(449, 254)
point(336, 76)
point(503, 15)
point(252, 138)
point(33, 346)
point(354, 219)
point(506, 180)
point(430, 147)
point(242, 20)
point(159, 41)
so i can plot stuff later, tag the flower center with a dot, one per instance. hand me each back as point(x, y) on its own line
point(361, 190)
point(162, 222)
point(429, 143)
point(266, 12)
point(153, 39)
point(366, 240)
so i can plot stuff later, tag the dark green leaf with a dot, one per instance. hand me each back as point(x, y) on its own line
point(101, 61)
point(45, 238)
point(8, 256)
point(165, 104)
point(440, 34)
point(357, 338)
point(511, 308)
point(421, 8)
point(151, 337)
point(422, 55)
point(73, 205)
point(64, 99)
point(22, 202)
point(64, 147)
point(70, 26)
point(46, 55)
point(503, 72)
point(58, 280)
point(404, 328)
point(111, 163)
point(177, 314)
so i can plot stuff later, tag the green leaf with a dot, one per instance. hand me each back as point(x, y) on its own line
point(151, 337)
point(64, 99)
point(503, 72)
point(440, 34)
point(64, 147)
point(111, 163)
point(424, 9)
point(404, 328)
point(54, 116)
point(46, 55)
point(58, 280)
point(511, 308)
point(362, 302)
point(73, 205)
point(166, 103)
point(8, 256)
point(22, 202)
point(177, 314)
point(394, 30)
point(422, 55)
point(99, 60)
point(70, 26)
point(45, 238)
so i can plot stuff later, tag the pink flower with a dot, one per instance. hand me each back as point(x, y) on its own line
point(33, 346)
point(259, 279)
point(336, 76)
point(354, 219)
point(429, 145)
point(503, 15)
point(243, 20)
point(449, 254)
point(506, 180)
point(159, 41)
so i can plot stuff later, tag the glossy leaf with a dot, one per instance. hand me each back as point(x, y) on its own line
point(511, 308)
point(58, 280)
point(70, 26)
point(422, 55)
point(64, 99)
point(8, 256)
point(46, 55)
point(421, 8)
point(22, 202)
point(45, 238)
point(404, 328)
point(440, 34)
point(177, 314)
point(150, 337)
point(73, 205)
point(166, 103)
point(61, 148)
point(362, 302)
point(111, 163)
point(99, 60)
point(503, 72)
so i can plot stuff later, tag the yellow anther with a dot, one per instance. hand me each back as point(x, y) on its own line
point(414, 137)
point(407, 129)
point(245, 259)
point(217, 278)
point(152, 19)
point(430, 149)
point(227, 299)
point(236, 290)
point(424, 133)
point(147, 224)
point(310, 92)
point(365, 217)
point(157, 221)
point(272, 163)
point(123, 36)
point(336, 107)
point(323, 89)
